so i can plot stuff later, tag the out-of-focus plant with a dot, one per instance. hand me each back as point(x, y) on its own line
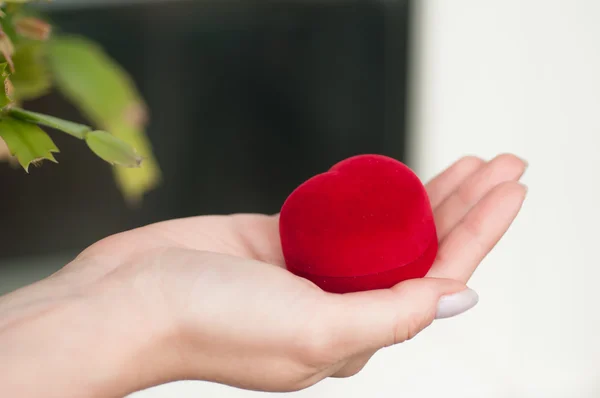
point(34, 60)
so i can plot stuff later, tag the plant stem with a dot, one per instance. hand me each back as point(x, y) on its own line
point(75, 129)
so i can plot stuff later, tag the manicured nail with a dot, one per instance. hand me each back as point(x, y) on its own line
point(457, 303)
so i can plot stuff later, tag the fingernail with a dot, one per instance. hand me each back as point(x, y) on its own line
point(457, 303)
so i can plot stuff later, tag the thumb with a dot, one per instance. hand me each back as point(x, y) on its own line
point(376, 319)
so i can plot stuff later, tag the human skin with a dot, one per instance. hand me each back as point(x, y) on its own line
point(208, 298)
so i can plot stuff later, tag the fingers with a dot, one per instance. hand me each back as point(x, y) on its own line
point(441, 186)
point(477, 234)
point(365, 322)
point(501, 169)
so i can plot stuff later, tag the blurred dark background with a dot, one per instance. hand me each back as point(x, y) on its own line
point(247, 101)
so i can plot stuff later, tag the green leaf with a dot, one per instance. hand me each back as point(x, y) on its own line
point(135, 182)
point(92, 80)
point(32, 78)
point(112, 149)
point(75, 129)
point(105, 94)
point(29, 143)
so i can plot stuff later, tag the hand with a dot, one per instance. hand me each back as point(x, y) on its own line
point(214, 295)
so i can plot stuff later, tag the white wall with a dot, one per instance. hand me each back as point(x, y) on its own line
point(523, 76)
point(495, 76)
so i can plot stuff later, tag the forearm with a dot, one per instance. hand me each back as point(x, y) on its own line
point(59, 344)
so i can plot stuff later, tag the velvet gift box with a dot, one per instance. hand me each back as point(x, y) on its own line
point(365, 224)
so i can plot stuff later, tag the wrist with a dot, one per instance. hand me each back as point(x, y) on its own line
point(93, 341)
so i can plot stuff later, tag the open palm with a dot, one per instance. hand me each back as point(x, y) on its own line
point(223, 279)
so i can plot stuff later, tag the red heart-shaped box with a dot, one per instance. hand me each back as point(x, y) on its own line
point(365, 224)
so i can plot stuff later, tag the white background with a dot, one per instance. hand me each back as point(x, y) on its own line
point(496, 76)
